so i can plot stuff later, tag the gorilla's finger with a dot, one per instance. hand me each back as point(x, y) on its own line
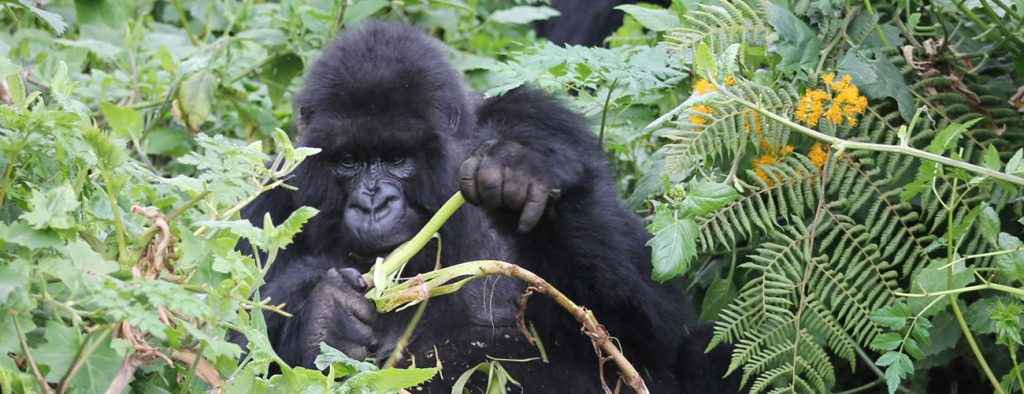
point(489, 184)
point(536, 198)
point(514, 189)
point(356, 305)
point(353, 278)
point(467, 179)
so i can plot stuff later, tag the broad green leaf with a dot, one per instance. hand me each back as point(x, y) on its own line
point(458, 4)
point(797, 44)
point(878, 78)
point(523, 14)
point(125, 122)
point(13, 276)
point(54, 352)
point(930, 279)
point(948, 137)
point(20, 233)
point(706, 197)
point(673, 247)
point(719, 295)
point(194, 99)
point(652, 19)
point(98, 369)
point(55, 21)
point(7, 68)
point(165, 141)
point(704, 61)
point(279, 73)
point(52, 208)
point(362, 9)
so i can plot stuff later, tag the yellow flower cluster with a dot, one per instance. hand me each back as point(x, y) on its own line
point(703, 86)
point(843, 98)
point(767, 160)
point(818, 154)
point(701, 119)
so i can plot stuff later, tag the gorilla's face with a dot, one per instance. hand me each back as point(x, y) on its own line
point(378, 213)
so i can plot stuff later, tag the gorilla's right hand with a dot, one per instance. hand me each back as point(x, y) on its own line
point(339, 315)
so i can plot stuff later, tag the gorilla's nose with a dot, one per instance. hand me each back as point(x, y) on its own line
point(376, 203)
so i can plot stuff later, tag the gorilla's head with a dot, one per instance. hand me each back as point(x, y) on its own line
point(385, 107)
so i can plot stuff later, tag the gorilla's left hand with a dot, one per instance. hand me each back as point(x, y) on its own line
point(505, 174)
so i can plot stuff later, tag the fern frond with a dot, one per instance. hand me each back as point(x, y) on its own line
point(723, 23)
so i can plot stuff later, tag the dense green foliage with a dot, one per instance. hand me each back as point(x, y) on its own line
point(837, 181)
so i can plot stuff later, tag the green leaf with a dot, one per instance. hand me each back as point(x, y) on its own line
point(194, 99)
point(13, 276)
point(706, 197)
point(893, 317)
point(523, 14)
point(673, 247)
point(1012, 264)
point(20, 233)
point(718, 296)
point(887, 341)
point(657, 20)
point(342, 364)
point(279, 73)
point(166, 141)
point(387, 380)
point(991, 159)
point(988, 224)
point(930, 279)
point(797, 44)
point(948, 137)
point(54, 352)
point(282, 235)
point(926, 174)
point(7, 68)
point(704, 61)
point(1016, 164)
point(55, 21)
point(125, 122)
point(51, 208)
point(362, 9)
point(99, 368)
point(878, 78)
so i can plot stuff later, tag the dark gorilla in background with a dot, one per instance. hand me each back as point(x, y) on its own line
point(586, 22)
point(399, 135)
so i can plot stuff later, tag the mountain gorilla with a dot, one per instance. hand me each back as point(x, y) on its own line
point(399, 134)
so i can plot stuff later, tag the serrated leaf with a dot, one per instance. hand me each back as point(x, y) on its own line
point(797, 43)
point(988, 224)
point(125, 122)
point(98, 370)
point(948, 137)
point(704, 61)
point(673, 247)
point(55, 21)
point(656, 20)
point(51, 208)
point(887, 341)
point(1016, 164)
point(343, 364)
point(13, 276)
point(362, 9)
point(706, 197)
point(1011, 264)
point(282, 235)
point(523, 14)
point(991, 159)
point(893, 317)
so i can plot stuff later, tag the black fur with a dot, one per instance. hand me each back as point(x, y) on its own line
point(385, 90)
point(586, 22)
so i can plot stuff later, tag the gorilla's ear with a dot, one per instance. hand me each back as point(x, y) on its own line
point(303, 114)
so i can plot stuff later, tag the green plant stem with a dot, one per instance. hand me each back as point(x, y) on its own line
point(878, 28)
point(1016, 367)
point(82, 355)
point(863, 388)
point(604, 112)
point(403, 341)
point(842, 144)
point(28, 356)
point(437, 283)
point(184, 22)
point(122, 244)
point(951, 255)
point(968, 289)
point(406, 251)
point(250, 303)
point(192, 369)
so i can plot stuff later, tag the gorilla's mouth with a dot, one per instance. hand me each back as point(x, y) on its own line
point(377, 238)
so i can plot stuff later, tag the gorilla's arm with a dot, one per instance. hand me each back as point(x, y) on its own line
point(586, 244)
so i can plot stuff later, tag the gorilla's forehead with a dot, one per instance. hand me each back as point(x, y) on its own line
point(370, 134)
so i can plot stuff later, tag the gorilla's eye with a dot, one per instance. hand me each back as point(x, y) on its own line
point(394, 158)
point(348, 160)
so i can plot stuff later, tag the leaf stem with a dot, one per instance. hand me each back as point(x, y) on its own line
point(83, 354)
point(968, 289)
point(842, 144)
point(28, 356)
